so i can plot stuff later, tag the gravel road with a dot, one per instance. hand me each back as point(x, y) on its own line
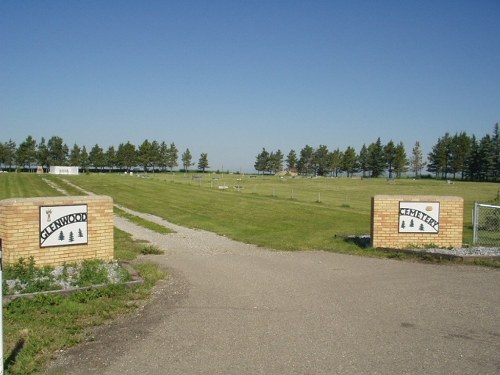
point(233, 308)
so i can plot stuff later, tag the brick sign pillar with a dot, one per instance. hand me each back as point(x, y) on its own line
point(401, 221)
point(57, 230)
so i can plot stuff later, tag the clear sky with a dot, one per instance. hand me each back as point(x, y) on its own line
point(230, 77)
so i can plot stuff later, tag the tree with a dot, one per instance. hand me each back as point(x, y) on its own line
point(155, 155)
point(163, 156)
point(126, 156)
point(390, 155)
point(376, 159)
point(262, 161)
point(306, 160)
point(417, 162)
point(58, 151)
point(9, 153)
point(440, 157)
point(363, 160)
point(186, 160)
point(145, 154)
point(400, 161)
point(320, 161)
point(26, 153)
point(110, 158)
point(203, 162)
point(43, 154)
point(96, 157)
point(173, 155)
point(459, 151)
point(349, 161)
point(84, 159)
point(335, 161)
point(291, 160)
point(74, 155)
point(275, 164)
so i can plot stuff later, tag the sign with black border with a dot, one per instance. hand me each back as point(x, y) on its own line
point(418, 217)
point(64, 225)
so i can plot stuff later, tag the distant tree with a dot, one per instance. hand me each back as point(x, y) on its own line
point(291, 160)
point(400, 161)
point(43, 154)
point(320, 161)
point(9, 153)
point(84, 160)
point(74, 155)
point(155, 155)
point(58, 151)
point(440, 156)
point(126, 156)
point(390, 156)
point(335, 162)
point(460, 148)
point(350, 161)
point(275, 164)
point(376, 159)
point(417, 162)
point(173, 155)
point(363, 160)
point(96, 157)
point(110, 159)
point(487, 157)
point(262, 161)
point(26, 153)
point(306, 161)
point(496, 147)
point(186, 160)
point(203, 162)
point(163, 156)
point(145, 155)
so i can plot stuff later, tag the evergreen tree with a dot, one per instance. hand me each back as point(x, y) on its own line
point(363, 160)
point(71, 237)
point(57, 151)
point(172, 157)
point(186, 160)
point(376, 159)
point(400, 161)
point(262, 161)
point(145, 155)
point(320, 161)
point(306, 160)
point(74, 155)
point(349, 161)
point(96, 157)
point(155, 155)
point(275, 162)
point(417, 162)
point(43, 154)
point(126, 156)
point(61, 236)
point(84, 159)
point(110, 158)
point(335, 162)
point(390, 156)
point(26, 153)
point(203, 162)
point(291, 160)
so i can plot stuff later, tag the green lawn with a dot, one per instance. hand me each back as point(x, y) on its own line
point(281, 213)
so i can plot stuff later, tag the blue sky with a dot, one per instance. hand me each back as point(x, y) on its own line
point(230, 77)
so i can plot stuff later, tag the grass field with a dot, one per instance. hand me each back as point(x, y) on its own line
point(281, 213)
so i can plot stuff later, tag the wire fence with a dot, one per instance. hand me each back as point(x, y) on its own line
point(486, 223)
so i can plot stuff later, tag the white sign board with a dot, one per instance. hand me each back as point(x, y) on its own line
point(63, 225)
point(418, 217)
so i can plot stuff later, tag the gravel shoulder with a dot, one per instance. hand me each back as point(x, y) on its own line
point(234, 308)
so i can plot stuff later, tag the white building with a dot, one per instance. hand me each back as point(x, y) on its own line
point(63, 170)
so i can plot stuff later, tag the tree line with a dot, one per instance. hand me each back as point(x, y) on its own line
point(151, 156)
point(460, 155)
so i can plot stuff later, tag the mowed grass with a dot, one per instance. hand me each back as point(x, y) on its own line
point(24, 185)
point(280, 213)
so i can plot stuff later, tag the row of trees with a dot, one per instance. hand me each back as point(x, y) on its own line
point(460, 154)
point(149, 155)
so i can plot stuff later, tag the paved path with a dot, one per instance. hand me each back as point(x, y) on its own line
point(231, 308)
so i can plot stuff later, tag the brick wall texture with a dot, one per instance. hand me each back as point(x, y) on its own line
point(385, 222)
point(20, 230)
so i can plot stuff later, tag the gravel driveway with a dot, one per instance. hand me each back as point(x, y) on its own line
point(233, 308)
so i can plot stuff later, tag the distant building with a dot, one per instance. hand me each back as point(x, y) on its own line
point(63, 170)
